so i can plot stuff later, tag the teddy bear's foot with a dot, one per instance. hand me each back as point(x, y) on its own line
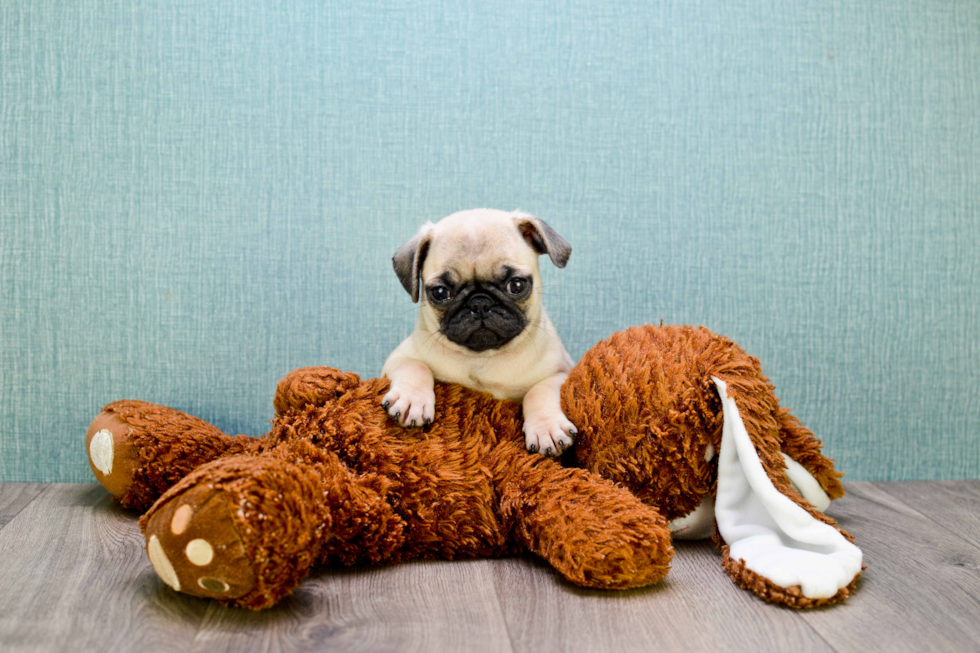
point(111, 452)
point(194, 545)
point(243, 529)
point(137, 450)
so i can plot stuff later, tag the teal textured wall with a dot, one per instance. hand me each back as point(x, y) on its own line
point(198, 197)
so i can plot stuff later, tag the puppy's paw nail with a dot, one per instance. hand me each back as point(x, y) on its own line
point(385, 404)
point(548, 451)
point(412, 424)
point(397, 414)
point(533, 448)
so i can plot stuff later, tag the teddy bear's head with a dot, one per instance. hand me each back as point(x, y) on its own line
point(647, 417)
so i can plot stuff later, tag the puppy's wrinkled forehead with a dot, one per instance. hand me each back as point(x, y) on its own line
point(477, 245)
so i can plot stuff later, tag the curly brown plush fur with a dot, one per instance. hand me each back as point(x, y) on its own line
point(336, 481)
point(647, 411)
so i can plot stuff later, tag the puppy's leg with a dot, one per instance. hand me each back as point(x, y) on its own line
point(411, 399)
point(546, 429)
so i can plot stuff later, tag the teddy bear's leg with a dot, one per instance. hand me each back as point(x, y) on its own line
point(799, 445)
point(137, 450)
point(246, 529)
point(778, 546)
point(593, 532)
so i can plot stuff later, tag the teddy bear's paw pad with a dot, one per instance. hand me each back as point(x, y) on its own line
point(161, 563)
point(194, 546)
point(111, 453)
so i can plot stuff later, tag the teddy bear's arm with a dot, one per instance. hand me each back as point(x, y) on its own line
point(312, 386)
point(594, 533)
point(138, 450)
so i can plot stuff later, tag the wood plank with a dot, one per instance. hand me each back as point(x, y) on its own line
point(697, 607)
point(418, 606)
point(78, 579)
point(952, 504)
point(14, 497)
point(75, 577)
point(921, 591)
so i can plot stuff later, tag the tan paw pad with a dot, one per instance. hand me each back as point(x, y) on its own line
point(194, 544)
point(161, 564)
point(100, 451)
point(213, 585)
point(111, 453)
point(199, 552)
point(182, 517)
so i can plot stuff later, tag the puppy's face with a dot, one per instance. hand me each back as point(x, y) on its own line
point(476, 274)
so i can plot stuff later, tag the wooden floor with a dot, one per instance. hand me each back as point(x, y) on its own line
point(74, 577)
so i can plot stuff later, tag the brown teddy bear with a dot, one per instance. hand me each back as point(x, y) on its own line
point(679, 433)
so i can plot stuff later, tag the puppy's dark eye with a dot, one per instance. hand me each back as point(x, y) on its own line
point(440, 293)
point(517, 285)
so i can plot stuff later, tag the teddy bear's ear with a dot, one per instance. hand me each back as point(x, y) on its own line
point(312, 386)
point(776, 544)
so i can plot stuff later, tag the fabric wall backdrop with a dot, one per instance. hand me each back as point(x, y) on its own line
point(198, 197)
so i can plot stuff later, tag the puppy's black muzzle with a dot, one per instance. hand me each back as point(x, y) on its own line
point(481, 306)
point(483, 322)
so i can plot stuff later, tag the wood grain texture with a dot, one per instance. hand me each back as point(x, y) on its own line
point(75, 577)
point(921, 591)
point(697, 608)
point(952, 504)
point(14, 497)
point(419, 606)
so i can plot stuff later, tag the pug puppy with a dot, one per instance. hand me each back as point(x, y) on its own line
point(480, 321)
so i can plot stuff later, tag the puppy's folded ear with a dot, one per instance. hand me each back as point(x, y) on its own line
point(543, 239)
point(409, 258)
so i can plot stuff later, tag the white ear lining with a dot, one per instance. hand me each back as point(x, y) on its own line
point(776, 538)
point(806, 484)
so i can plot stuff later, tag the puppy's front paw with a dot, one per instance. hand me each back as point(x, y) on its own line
point(410, 406)
point(549, 434)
